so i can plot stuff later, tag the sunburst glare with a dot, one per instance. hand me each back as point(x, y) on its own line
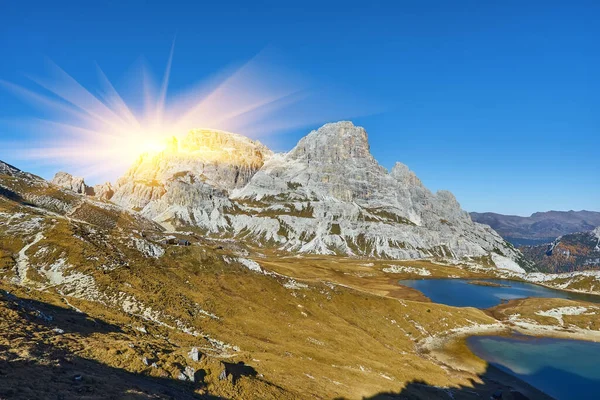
point(99, 134)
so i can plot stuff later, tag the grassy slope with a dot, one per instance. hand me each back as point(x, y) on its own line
point(340, 328)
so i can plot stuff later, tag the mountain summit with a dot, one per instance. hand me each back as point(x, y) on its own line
point(328, 195)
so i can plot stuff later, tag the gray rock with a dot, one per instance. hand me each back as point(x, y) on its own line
point(73, 183)
point(194, 354)
point(223, 375)
point(328, 195)
point(104, 191)
point(190, 373)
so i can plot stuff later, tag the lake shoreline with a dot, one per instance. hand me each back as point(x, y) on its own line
point(561, 367)
point(453, 351)
point(536, 316)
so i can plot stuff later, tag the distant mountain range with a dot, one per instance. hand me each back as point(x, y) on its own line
point(572, 252)
point(540, 227)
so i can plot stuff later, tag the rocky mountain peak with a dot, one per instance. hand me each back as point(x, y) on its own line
point(334, 143)
point(327, 195)
point(77, 184)
point(205, 153)
point(214, 143)
point(204, 165)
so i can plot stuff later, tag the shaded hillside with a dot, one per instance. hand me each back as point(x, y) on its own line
point(540, 227)
point(574, 252)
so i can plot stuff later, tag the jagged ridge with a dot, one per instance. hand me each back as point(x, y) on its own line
point(327, 195)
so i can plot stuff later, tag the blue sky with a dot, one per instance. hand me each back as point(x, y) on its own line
point(495, 101)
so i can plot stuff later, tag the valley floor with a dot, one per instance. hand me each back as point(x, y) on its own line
point(107, 310)
point(301, 327)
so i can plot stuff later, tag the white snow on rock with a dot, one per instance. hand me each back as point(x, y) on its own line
point(22, 265)
point(506, 263)
point(558, 313)
point(250, 264)
point(567, 281)
point(294, 285)
point(399, 269)
point(147, 248)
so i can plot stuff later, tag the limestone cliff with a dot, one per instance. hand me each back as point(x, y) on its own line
point(327, 195)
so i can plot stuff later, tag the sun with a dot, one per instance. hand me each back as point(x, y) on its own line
point(151, 146)
point(98, 134)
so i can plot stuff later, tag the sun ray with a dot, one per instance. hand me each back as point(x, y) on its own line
point(160, 106)
point(102, 134)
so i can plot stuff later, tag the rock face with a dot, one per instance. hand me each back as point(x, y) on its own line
point(7, 169)
point(104, 191)
point(540, 227)
point(328, 195)
point(77, 184)
point(29, 190)
point(187, 181)
point(74, 183)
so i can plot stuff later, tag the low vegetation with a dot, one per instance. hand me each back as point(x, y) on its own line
point(96, 304)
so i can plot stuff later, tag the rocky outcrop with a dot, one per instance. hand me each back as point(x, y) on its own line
point(7, 169)
point(328, 195)
point(73, 183)
point(77, 184)
point(104, 191)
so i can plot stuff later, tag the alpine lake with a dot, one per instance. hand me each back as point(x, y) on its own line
point(562, 368)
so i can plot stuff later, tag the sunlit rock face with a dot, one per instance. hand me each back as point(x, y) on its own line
point(74, 183)
point(183, 184)
point(77, 184)
point(328, 195)
point(332, 196)
point(104, 191)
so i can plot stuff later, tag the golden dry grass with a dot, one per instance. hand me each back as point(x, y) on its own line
point(321, 327)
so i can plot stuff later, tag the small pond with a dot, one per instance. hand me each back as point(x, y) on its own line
point(462, 293)
point(564, 369)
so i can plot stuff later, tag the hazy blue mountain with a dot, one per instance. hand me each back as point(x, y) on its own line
point(540, 227)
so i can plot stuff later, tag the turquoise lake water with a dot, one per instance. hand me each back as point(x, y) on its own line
point(564, 369)
point(460, 293)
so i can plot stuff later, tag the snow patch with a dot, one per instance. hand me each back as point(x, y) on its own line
point(293, 285)
point(23, 260)
point(506, 263)
point(250, 264)
point(399, 269)
point(558, 313)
